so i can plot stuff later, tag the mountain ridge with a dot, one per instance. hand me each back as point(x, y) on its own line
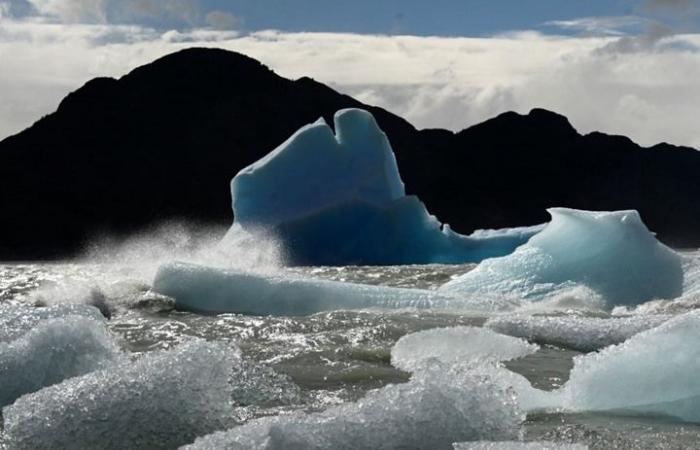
point(162, 142)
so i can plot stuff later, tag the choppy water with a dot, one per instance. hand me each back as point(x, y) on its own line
point(332, 357)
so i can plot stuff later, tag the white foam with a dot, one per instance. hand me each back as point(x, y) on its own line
point(160, 401)
point(456, 345)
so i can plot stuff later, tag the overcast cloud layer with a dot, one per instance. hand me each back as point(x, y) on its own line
point(645, 85)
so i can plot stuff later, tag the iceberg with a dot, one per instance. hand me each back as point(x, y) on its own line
point(611, 253)
point(338, 199)
point(213, 290)
point(57, 349)
point(654, 372)
point(574, 332)
point(431, 411)
point(455, 345)
point(161, 401)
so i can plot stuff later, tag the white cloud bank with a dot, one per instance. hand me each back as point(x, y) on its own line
point(648, 90)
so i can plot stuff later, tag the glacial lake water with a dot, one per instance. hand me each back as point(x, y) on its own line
point(332, 357)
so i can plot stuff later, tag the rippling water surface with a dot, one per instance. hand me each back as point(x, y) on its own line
point(332, 357)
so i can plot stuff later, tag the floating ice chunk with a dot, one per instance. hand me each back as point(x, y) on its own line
point(162, 400)
point(55, 350)
point(212, 290)
point(514, 445)
point(259, 385)
point(456, 345)
point(612, 253)
point(338, 199)
point(431, 411)
point(574, 332)
point(16, 320)
point(655, 371)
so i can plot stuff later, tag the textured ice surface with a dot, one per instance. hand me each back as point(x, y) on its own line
point(431, 411)
point(574, 332)
point(160, 401)
point(213, 290)
point(612, 253)
point(338, 199)
point(15, 320)
point(455, 345)
point(655, 371)
point(56, 349)
point(514, 445)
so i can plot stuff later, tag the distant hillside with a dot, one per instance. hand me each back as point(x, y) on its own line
point(164, 141)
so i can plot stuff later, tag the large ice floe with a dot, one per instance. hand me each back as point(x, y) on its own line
point(438, 406)
point(214, 290)
point(338, 199)
point(653, 372)
point(162, 400)
point(611, 253)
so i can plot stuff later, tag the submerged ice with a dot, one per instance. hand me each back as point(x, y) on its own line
point(337, 199)
point(611, 253)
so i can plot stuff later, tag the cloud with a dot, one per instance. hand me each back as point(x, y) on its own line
point(161, 13)
point(72, 11)
point(221, 20)
point(651, 95)
point(600, 26)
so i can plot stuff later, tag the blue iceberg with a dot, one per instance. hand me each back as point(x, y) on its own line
point(612, 254)
point(338, 199)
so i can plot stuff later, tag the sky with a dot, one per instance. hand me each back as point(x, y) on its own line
point(627, 67)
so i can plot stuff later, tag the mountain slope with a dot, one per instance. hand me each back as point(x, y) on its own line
point(163, 141)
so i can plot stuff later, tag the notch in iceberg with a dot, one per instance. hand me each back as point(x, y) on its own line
point(338, 199)
point(611, 253)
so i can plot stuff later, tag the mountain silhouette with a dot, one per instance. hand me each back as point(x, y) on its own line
point(162, 143)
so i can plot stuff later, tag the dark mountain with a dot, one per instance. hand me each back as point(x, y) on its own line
point(164, 141)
